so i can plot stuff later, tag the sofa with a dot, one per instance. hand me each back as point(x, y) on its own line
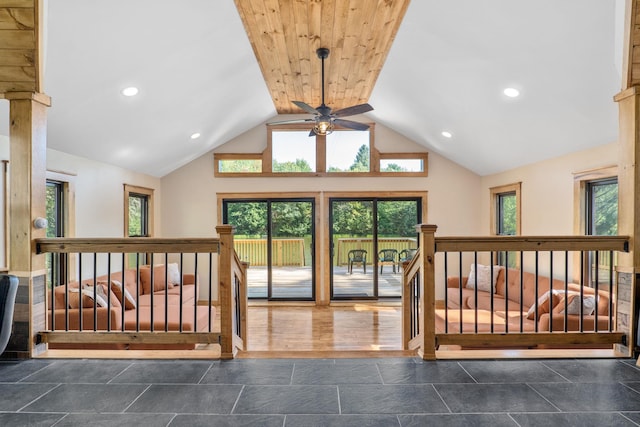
point(514, 305)
point(125, 301)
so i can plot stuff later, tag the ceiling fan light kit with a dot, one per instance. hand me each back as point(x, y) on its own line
point(325, 121)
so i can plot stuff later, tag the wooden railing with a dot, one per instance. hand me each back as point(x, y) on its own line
point(512, 311)
point(164, 312)
point(285, 252)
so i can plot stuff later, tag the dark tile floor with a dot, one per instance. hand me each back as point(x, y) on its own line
point(308, 392)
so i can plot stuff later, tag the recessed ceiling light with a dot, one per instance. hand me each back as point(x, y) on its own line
point(130, 91)
point(511, 92)
point(195, 135)
point(446, 134)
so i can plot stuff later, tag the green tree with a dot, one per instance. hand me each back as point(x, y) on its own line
point(394, 167)
point(353, 218)
point(300, 165)
point(241, 165)
point(605, 207)
point(397, 218)
point(291, 219)
point(249, 218)
point(361, 162)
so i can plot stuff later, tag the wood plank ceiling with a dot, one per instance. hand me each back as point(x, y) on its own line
point(19, 65)
point(285, 34)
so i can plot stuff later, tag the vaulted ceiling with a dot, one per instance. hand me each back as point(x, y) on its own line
point(221, 67)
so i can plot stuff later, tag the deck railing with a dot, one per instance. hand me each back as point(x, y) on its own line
point(525, 306)
point(162, 307)
point(284, 252)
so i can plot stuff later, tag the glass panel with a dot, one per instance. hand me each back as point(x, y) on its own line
point(54, 211)
point(293, 151)
point(602, 220)
point(353, 254)
point(250, 242)
point(401, 165)
point(240, 166)
point(397, 241)
point(506, 226)
point(136, 216)
point(348, 151)
point(291, 250)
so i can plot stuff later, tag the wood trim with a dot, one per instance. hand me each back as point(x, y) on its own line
point(5, 203)
point(69, 214)
point(532, 243)
point(530, 339)
point(127, 245)
point(128, 189)
point(119, 337)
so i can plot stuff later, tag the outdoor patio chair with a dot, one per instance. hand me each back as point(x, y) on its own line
point(357, 256)
point(407, 255)
point(8, 291)
point(388, 256)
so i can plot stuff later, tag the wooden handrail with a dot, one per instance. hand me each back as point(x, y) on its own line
point(532, 243)
point(126, 245)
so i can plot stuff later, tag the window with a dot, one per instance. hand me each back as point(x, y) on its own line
point(138, 218)
point(601, 209)
point(56, 263)
point(505, 218)
point(348, 151)
point(293, 151)
point(595, 201)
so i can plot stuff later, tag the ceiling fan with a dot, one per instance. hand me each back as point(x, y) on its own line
point(325, 120)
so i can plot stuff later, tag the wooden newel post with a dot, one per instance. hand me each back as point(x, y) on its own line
point(225, 290)
point(428, 291)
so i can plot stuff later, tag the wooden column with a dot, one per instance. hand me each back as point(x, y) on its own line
point(428, 291)
point(628, 269)
point(27, 183)
point(225, 290)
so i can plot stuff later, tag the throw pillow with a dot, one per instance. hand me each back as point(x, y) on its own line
point(158, 278)
point(73, 299)
point(173, 273)
point(546, 303)
point(122, 294)
point(99, 293)
point(484, 277)
point(573, 304)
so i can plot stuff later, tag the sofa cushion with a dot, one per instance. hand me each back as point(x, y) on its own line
point(189, 323)
point(483, 302)
point(486, 281)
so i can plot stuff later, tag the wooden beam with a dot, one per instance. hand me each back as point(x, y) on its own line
point(532, 243)
point(126, 245)
point(530, 339)
point(100, 337)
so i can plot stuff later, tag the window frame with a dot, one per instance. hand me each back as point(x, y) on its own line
point(581, 182)
point(68, 220)
point(495, 193)
point(137, 191)
point(266, 157)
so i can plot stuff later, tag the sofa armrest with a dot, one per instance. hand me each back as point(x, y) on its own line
point(573, 322)
point(454, 282)
point(102, 314)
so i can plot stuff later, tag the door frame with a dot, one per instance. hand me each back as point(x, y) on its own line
point(322, 265)
point(374, 200)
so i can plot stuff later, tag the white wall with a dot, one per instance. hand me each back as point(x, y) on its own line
point(99, 193)
point(547, 190)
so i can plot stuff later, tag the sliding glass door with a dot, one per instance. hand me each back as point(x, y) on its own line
point(275, 237)
point(370, 238)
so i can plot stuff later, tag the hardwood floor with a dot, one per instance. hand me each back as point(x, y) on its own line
point(340, 329)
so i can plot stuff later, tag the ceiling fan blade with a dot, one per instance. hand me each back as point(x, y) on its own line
point(351, 124)
point(306, 107)
point(283, 122)
point(312, 133)
point(351, 111)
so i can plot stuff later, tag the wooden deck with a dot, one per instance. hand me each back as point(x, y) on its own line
point(295, 282)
